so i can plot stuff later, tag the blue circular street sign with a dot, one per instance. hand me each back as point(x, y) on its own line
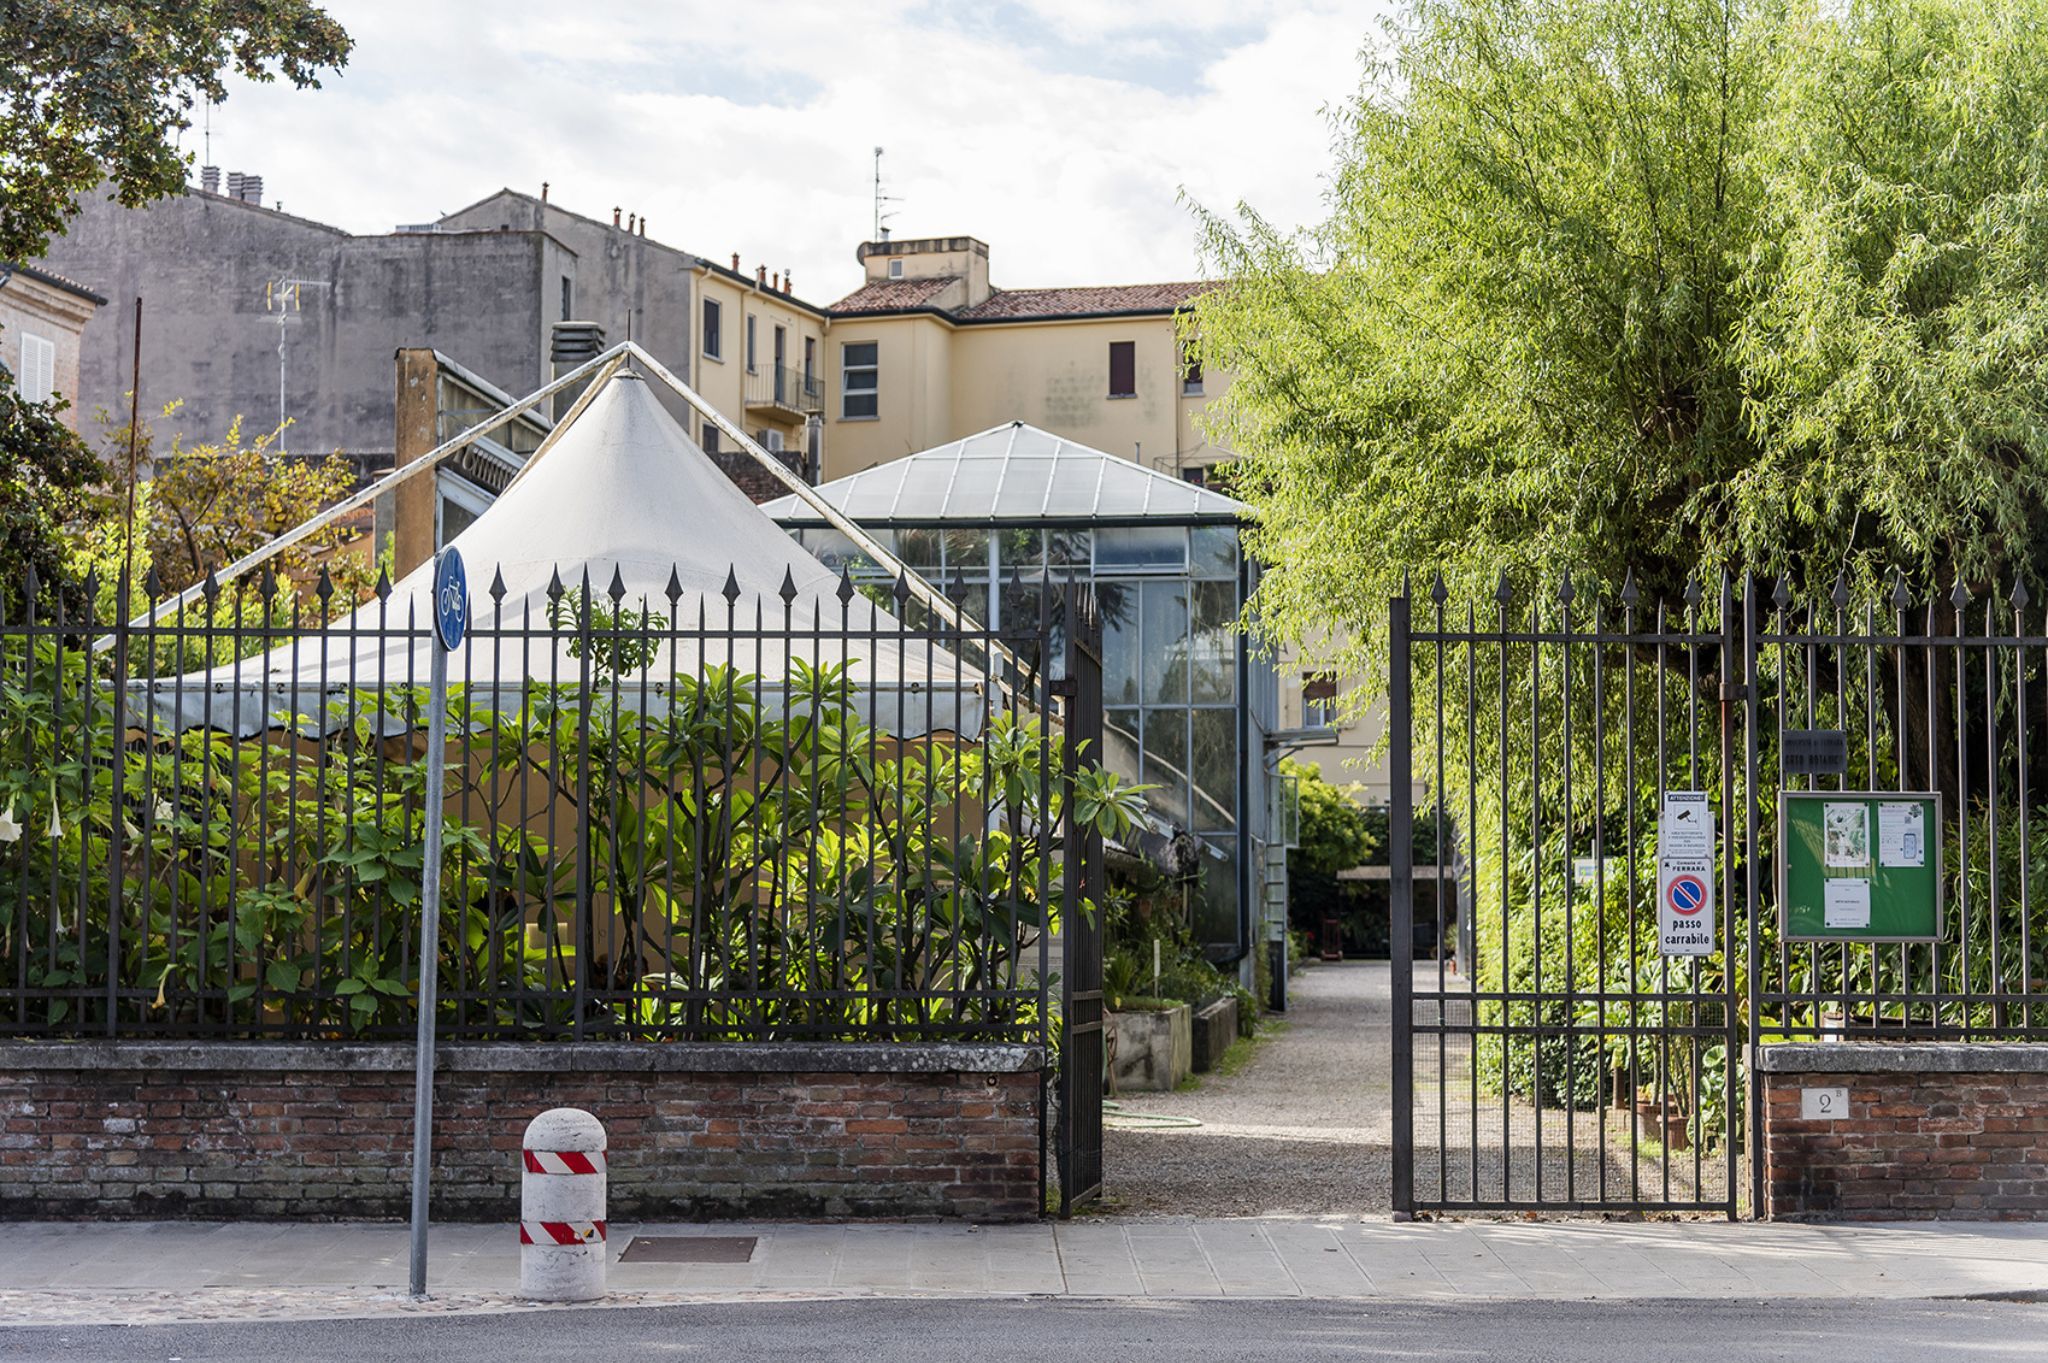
point(451, 598)
point(1687, 894)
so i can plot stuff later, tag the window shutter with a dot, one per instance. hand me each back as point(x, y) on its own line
point(38, 368)
point(1123, 369)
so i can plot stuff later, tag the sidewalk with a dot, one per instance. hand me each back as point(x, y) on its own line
point(169, 1271)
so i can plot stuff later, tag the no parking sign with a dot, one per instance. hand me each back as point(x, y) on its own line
point(1685, 906)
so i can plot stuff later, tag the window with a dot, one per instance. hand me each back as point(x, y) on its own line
point(1318, 700)
point(1190, 368)
point(859, 381)
point(711, 434)
point(714, 330)
point(37, 381)
point(568, 298)
point(1198, 474)
point(750, 343)
point(1123, 369)
point(895, 269)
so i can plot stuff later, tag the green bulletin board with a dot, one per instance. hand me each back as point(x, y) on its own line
point(1860, 866)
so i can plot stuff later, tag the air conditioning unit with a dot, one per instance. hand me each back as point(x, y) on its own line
point(771, 441)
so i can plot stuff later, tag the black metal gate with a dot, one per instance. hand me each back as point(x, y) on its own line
point(1081, 1055)
point(1548, 1053)
point(1546, 1056)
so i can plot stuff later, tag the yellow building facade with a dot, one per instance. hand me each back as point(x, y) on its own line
point(927, 350)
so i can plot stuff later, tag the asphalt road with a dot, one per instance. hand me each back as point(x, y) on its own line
point(898, 1331)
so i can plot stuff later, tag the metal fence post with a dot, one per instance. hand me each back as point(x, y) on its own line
point(1752, 910)
point(1401, 913)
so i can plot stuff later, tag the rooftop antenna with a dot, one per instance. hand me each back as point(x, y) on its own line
point(207, 134)
point(882, 216)
point(281, 298)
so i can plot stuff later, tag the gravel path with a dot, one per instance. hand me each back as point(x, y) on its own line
point(1305, 1129)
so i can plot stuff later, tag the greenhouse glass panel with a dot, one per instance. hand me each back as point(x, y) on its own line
point(1213, 551)
point(1215, 898)
point(1146, 548)
point(1215, 768)
point(1166, 763)
point(1212, 643)
point(1164, 660)
point(1122, 657)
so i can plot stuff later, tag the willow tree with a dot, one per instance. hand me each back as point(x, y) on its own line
point(1610, 287)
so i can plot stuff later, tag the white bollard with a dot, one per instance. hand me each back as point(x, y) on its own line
point(562, 1250)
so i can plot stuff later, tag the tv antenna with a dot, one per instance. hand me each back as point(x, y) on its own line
point(882, 201)
point(281, 299)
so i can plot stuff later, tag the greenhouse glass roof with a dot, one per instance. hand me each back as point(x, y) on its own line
point(1013, 475)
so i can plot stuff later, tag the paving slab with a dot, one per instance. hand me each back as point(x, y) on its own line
point(60, 1273)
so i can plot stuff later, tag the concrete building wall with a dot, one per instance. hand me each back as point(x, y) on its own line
point(31, 307)
point(208, 270)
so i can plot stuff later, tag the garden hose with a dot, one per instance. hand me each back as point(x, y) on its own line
point(1118, 1114)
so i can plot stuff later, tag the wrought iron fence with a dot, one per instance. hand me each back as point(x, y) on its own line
point(1552, 1054)
point(702, 816)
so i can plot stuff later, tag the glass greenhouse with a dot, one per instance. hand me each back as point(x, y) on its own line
point(993, 519)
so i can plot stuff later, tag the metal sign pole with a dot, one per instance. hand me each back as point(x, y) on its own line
point(451, 601)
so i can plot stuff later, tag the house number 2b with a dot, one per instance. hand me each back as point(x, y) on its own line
point(1823, 1105)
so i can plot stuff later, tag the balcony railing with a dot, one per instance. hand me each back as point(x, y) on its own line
point(781, 388)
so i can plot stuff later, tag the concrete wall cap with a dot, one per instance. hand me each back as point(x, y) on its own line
point(766, 1057)
point(564, 1128)
point(1904, 1057)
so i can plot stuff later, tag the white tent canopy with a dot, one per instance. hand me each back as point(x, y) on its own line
point(624, 498)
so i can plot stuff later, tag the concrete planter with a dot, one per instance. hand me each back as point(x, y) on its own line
point(1215, 1027)
point(1151, 1052)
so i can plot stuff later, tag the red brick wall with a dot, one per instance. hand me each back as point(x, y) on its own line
point(1915, 1146)
point(335, 1141)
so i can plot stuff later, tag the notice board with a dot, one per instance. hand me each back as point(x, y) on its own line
point(1860, 866)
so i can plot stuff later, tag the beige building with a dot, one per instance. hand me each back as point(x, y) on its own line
point(759, 359)
point(928, 350)
point(41, 318)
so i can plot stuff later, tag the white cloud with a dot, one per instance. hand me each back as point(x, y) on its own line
point(1060, 132)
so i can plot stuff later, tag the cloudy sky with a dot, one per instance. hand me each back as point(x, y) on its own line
point(1060, 131)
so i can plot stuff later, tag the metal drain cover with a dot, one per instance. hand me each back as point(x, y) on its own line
point(689, 1249)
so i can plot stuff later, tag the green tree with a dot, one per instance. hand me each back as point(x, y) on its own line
point(1336, 831)
point(1610, 287)
point(47, 476)
point(100, 91)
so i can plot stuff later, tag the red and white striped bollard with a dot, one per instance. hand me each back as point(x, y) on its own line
point(562, 1250)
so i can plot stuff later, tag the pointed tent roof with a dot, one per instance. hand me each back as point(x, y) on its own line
point(1013, 474)
point(625, 504)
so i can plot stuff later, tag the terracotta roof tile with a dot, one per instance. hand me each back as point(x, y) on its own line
point(893, 295)
point(1084, 301)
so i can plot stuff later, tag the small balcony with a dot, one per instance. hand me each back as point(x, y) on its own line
point(777, 388)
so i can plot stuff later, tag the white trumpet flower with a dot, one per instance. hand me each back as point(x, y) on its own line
point(10, 828)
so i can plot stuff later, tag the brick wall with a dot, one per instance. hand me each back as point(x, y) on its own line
point(1930, 1132)
point(299, 1132)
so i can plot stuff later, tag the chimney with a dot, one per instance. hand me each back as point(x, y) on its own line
point(252, 189)
point(234, 184)
point(776, 283)
point(209, 179)
point(788, 283)
point(643, 224)
point(543, 191)
point(615, 216)
point(735, 262)
point(632, 222)
point(760, 276)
